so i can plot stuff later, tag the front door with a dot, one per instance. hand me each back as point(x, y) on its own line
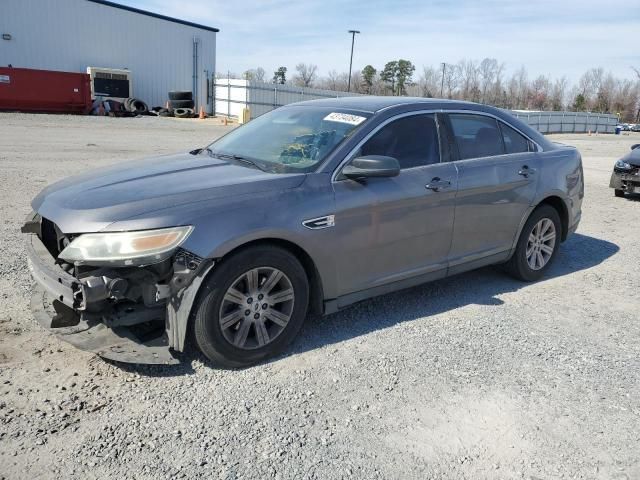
point(392, 229)
point(497, 181)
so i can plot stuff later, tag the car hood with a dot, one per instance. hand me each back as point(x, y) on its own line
point(92, 201)
point(633, 157)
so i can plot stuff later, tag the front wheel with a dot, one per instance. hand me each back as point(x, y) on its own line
point(537, 245)
point(252, 306)
point(618, 193)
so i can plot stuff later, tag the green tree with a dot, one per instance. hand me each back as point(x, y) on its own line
point(404, 73)
point(368, 75)
point(397, 75)
point(580, 103)
point(389, 75)
point(280, 75)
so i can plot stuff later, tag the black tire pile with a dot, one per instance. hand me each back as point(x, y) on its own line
point(135, 106)
point(181, 104)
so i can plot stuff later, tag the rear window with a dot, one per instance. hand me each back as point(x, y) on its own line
point(514, 142)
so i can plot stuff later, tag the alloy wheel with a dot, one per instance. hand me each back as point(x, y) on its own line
point(256, 308)
point(541, 244)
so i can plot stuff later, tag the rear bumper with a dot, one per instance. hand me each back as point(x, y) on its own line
point(58, 305)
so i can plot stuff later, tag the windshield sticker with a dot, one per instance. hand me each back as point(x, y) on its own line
point(344, 118)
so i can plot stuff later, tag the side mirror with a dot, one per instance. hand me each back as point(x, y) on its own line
point(633, 147)
point(372, 166)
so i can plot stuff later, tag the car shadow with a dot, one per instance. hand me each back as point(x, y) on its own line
point(632, 197)
point(578, 253)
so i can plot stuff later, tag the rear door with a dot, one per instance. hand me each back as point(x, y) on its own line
point(497, 181)
point(391, 229)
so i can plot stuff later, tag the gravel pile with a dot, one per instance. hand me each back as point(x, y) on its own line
point(473, 377)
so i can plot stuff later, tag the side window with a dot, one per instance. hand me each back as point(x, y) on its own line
point(476, 135)
point(513, 141)
point(412, 140)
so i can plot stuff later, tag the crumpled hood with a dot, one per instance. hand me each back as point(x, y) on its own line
point(91, 201)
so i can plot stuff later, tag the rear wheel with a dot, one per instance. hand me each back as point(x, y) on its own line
point(253, 305)
point(618, 193)
point(537, 245)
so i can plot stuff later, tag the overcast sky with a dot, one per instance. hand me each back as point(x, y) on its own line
point(552, 37)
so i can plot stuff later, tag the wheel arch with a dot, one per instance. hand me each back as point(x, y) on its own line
point(563, 212)
point(555, 201)
point(316, 290)
point(184, 323)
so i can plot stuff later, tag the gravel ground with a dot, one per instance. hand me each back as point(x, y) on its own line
point(474, 377)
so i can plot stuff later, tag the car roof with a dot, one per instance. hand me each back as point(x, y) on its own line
point(373, 104)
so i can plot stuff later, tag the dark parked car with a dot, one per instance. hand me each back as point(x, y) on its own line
point(304, 210)
point(626, 173)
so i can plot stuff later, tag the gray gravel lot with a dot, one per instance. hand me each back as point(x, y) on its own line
point(473, 377)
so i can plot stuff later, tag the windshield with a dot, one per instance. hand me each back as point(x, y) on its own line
point(289, 139)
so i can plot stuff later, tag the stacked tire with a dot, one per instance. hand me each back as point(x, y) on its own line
point(181, 104)
point(135, 105)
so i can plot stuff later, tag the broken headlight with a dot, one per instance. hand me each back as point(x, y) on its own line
point(125, 248)
point(622, 165)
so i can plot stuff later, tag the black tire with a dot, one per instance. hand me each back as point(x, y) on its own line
point(207, 331)
point(181, 104)
point(518, 266)
point(136, 106)
point(139, 107)
point(183, 112)
point(618, 193)
point(180, 95)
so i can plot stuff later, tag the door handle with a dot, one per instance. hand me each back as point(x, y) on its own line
point(525, 171)
point(436, 184)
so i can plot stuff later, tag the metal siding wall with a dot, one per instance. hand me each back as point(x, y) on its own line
point(70, 35)
point(569, 122)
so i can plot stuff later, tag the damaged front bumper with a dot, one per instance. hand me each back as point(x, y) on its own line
point(95, 312)
point(627, 180)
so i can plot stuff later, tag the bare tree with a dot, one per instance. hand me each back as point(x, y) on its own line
point(428, 83)
point(451, 79)
point(334, 81)
point(488, 70)
point(259, 74)
point(306, 74)
point(254, 74)
point(558, 94)
point(485, 81)
point(469, 80)
point(539, 93)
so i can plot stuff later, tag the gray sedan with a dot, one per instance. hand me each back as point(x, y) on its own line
point(305, 210)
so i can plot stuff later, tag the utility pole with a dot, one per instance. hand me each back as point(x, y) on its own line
point(444, 66)
point(353, 39)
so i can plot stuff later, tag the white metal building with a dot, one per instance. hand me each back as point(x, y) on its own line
point(162, 53)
